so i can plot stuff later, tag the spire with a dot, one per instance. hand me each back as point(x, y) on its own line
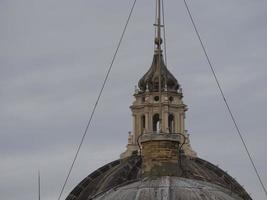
point(158, 112)
point(158, 78)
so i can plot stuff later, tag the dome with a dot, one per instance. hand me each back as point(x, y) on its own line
point(169, 188)
point(198, 178)
point(159, 162)
point(150, 81)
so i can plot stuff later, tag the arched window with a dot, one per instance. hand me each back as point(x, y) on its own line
point(143, 123)
point(171, 123)
point(156, 125)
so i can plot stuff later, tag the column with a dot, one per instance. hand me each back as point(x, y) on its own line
point(134, 129)
point(147, 122)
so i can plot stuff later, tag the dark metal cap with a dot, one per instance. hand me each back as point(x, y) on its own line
point(150, 81)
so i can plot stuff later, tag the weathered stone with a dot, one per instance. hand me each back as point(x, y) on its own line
point(160, 153)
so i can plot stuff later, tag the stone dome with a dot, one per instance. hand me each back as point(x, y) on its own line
point(164, 188)
point(121, 179)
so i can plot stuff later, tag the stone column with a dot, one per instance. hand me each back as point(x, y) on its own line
point(166, 123)
point(177, 123)
point(150, 123)
point(147, 122)
point(134, 130)
point(182, 122)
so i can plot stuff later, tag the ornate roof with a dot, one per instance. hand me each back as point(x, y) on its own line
point(150, 81)
point(120, 175)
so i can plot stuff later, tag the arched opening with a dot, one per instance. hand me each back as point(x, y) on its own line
point(143, 123)
point(171, 123)
point(156, 123)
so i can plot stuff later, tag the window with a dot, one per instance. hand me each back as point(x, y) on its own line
point(143, 99)
point(156, 125)
point(171, 123)
point(143, 123)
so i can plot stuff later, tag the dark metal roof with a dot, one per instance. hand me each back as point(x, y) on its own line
point(126, 171)
point(150, 81)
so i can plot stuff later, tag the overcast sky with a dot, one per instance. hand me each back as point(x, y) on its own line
point(54, 55)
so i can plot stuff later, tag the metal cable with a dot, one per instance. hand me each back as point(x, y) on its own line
point(224, 98)
point(164, 33)
point(39, 185)
point(98, 98)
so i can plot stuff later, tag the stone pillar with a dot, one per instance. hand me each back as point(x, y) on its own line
point(166, 123)
point(147, 122)
point(177, 123)
point(182, 122)
point(150, 127)
point(134, 129)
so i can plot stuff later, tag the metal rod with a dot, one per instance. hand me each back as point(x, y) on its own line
point(159, 62)
point(159, 22)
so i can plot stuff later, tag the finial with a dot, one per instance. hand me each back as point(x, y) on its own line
point(180, 90)
point(165, 87)
point(136, 90)
point(147, 87)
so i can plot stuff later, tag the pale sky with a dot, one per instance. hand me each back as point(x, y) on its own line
point(53, 58)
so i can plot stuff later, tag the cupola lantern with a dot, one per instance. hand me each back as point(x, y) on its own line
point(158, 107)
